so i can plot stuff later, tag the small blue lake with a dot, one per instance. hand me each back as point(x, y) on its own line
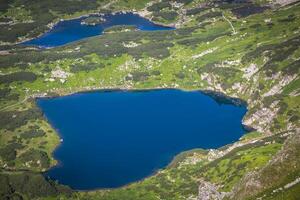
point(72, 30)
point(114, 138)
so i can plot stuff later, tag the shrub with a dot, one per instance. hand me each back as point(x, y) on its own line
point(5, 188)
point(7, 96)
point(35, 156)
point(154, 49)
point(289, 18)
point(18, 76)
point(292, 68)
point(4, 92)
point(194, 41)
point(195, 11)
point(221, 71)
point(167, 15)
point(248, 10)
point(294, 119)
point(120, 28)
point(155, 73)
point(255, 26)
point(276, 53)
point(8, 152)
point(11, 120)
point(86, 67)
point(156, 7)
point(208, 15)
point(184, 1)
point(185, 31)
point(33, 185)
point(282, 107)
point(180, 75)
point(33, 134)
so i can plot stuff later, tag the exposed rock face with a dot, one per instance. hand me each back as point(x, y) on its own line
point(204, 53)
point(278, 87)
point(283, 2)
point(208, 191)
point(286, 161)
point(261, 119)
point(250, 71)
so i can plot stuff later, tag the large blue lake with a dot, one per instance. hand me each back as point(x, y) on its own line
point(114, 138)
point(72, 30)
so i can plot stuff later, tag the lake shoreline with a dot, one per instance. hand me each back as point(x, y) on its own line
point(213, 94)
point(109, 90)
point(57, 21)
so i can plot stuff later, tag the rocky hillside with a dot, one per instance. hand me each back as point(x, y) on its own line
point(247, 50)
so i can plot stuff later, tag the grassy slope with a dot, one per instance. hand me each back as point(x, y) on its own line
point(198, 56)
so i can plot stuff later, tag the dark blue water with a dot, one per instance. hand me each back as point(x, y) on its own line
point(71, 30)
point(114, 138)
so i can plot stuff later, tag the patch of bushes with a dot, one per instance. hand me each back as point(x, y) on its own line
point(208, 15)
point(86, 67)
point(185, 2)
point(155, 73)
point(288, 19)
point(11, 120)
point(156, 7)
point(5, 188)
point(282, 52)
point(282, 107)
point(36, 158)
point(33, 133)
point(6, 95)
point(29, 185)
point(111, 45)
point(92, 20)
point(292, 68)
point(195, 11)
point(294, 118)
point(120, 28)
point(153, 49)
point(9, 153)
point(194, 41)
point(255, 26)
point(18, 76)
point(180, 75)
point(276, 53)
point(10, 33)
point(221, 71)
point(268, 100)
point(4, 92)
point(248, 10)
point(166, 15)
point(186, 31)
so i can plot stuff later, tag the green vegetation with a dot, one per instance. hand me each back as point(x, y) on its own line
point(93, 20)
point(242, 51)
point(251, 135)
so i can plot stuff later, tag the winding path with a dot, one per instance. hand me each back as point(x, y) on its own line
point(233, 29)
